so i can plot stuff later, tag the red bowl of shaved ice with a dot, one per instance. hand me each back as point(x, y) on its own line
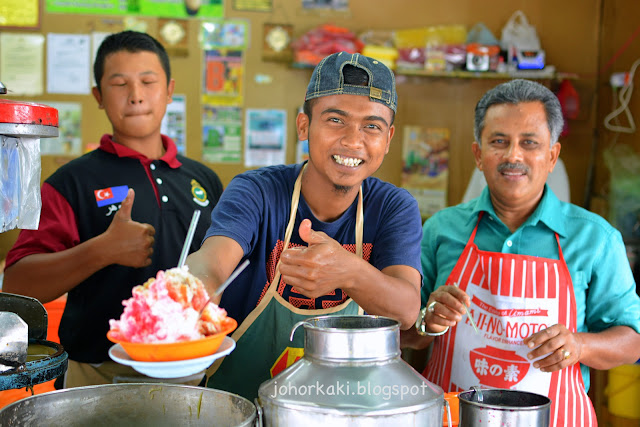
point(162, 321)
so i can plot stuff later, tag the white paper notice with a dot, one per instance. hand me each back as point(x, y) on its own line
point(21, 63)
point(265, 135)
point(97, 37)
point(174, 122)
point(68, 63)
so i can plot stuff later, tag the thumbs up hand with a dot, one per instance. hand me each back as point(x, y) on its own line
point(319, 268)
point(128, 242)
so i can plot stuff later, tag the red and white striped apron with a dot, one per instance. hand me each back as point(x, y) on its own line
point(512, 297)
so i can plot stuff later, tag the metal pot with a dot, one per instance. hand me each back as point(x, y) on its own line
point(503, 408)
point(351, 375)
point(131, 405)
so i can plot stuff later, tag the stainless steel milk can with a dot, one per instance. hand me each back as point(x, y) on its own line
point(351, 374)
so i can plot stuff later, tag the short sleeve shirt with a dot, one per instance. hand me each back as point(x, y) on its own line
point(254, 211)
point(595, 254)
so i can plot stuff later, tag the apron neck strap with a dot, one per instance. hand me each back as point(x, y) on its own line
point(295, 198)
point(359, 224)
point(473, 234)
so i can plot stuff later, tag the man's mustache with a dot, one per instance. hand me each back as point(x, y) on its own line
point(513, 166)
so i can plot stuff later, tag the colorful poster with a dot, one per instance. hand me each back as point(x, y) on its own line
point(95, 7)
point(265, 135)
point(68, 63)
point(425, 171)
point(302, 147)
point(69, 140)
point(181, 8)
point(253, 5)
point(221, 134)
point(159, 8)
point(302, 151)
point(97, 37)
point(224, 34)
point(326, 4)
point(223, 76)
point(20, 13)
point(22, 63)
point(174, 122)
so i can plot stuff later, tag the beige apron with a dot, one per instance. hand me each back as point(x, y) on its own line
point(263, 346)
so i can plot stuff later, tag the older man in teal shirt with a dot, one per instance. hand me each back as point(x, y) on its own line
point(605, 291)
point(523, 291)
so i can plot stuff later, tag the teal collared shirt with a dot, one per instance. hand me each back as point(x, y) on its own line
point(603, 283)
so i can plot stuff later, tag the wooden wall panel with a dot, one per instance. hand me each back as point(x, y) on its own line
point(568, 31)
point(620, 48)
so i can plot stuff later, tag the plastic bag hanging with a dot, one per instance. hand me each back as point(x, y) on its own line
point(22, 124)
point(9, 183)
point(518, 33)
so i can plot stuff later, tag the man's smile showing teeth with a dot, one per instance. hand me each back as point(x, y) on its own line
point(346, 161)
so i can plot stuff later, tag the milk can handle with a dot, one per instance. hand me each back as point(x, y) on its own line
point(258, 412)
point(293, 331)
point(446, 403)
point(478, 391)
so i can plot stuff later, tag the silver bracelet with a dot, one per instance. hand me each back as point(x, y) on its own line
point(421, 329)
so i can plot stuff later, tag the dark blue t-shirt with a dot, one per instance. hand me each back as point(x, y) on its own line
point(254, 211)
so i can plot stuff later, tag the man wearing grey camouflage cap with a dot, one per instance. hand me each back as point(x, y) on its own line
point(323, 237)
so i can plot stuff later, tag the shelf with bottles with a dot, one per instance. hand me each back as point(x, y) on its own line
point(547, 73)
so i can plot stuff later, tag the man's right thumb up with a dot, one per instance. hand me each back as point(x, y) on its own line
point(124, 214)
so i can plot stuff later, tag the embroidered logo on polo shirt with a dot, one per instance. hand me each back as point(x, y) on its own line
point(111, 195)
point(199, 193)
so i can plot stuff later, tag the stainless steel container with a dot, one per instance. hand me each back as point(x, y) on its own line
point(351, 375)
point(503, 408)
point(131, 405)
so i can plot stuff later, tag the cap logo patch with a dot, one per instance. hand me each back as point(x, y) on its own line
point(376, 93)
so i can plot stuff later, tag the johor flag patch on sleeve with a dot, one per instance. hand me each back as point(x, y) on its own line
point(111, 195)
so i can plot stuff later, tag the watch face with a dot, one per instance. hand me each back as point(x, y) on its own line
point(277, 38)
point(172, 32)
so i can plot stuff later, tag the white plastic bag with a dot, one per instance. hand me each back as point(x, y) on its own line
point(20, 202)
point(9, 183)
point(30, 168)
point(518, 33)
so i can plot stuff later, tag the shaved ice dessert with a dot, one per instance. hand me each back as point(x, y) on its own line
point(166, 309)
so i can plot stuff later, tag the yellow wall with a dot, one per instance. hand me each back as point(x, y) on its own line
point(569, 31)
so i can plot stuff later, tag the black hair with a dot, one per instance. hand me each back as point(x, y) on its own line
point(130, 41)
point(352, 76)
point(515, 92)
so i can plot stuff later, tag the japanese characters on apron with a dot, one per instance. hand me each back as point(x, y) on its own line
point(263, 346)
point(512, 297)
